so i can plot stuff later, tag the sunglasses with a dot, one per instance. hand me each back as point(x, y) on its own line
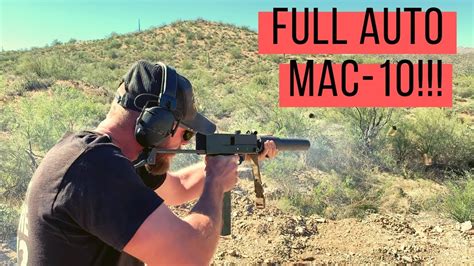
point(188, 135)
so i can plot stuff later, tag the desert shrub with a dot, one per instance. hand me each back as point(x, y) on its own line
point(102, 74)
point(110, 64)
point(32, 83)
point(301, 204)
point(56, 42)
point(113, 54)
point(9, 220)
point(113, 44)
point(20, 86)
point(276, 58)
point(333, 197)
point(460, 202)
point(464, 92)
point(434, 138)
point(464, 85)
point(35, 124)
point(367, 124)
point(55, 66)
point(128, 41)
point(190, 35)
point(172, 40)
point(150, 55)
point(187, 64)
point(83, 57)
point(236, 52)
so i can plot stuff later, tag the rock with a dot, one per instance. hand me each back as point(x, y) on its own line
point(270, 219)
point(238, 193)
point(320, 220)
point(466, 226)
point(407, 259)
point(299, 230)
point(297, 245)
point(234, 253)
point(249, 209)
point(437, 229)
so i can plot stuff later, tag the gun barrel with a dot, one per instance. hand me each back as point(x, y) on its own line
point(286, 144)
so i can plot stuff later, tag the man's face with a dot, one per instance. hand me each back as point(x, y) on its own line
point(163, 160)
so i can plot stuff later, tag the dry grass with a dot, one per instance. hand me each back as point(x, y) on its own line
point(409, 195)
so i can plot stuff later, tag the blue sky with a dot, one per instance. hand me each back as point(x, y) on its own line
point(35, 23)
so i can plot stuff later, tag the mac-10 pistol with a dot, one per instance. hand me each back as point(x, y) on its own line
point(249, 144)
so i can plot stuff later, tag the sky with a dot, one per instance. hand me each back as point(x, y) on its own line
point(35, 23)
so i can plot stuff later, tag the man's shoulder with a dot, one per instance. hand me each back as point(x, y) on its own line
point(96, 150)
point(92, 143)
point(71, 148)
point(86, 139)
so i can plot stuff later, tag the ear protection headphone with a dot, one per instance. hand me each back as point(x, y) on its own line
point(156, 123)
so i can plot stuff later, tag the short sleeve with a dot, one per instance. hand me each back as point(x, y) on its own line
point(104, 195)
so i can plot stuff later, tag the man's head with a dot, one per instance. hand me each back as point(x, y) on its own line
point(165, 100)
point(140, 98)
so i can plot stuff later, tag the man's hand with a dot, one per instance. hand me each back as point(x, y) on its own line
point(222, 170)
point(269, 150)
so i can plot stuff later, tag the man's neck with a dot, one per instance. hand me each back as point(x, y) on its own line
point(124, 139)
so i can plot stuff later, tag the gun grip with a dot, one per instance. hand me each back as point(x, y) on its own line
point(226, 215)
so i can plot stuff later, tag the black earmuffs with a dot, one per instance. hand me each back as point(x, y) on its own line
point(156, 123)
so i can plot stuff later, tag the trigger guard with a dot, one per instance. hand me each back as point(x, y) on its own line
point(241, 158)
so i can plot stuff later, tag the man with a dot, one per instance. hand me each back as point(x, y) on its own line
point(86, 204)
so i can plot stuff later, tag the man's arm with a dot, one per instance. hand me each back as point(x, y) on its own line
point(163, 238)
point(187, 184)
point(182, 186)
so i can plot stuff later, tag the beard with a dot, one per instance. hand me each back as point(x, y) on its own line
point(161, 166)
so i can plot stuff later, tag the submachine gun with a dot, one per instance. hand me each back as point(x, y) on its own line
point(229, 144)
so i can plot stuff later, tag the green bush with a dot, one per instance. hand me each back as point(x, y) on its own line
point(236, 52)
point(333, 197)
point(55, 66)
point(113, 53)
point(9, 221)
point(105, 74)
point(464, 86)
point(113, 44)
point(460, 201)
point(56, 42)
point(33, 125)
point(464, 92)
point(434, 138)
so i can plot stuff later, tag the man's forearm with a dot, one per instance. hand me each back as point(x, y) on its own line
point(206, 218)
point(192, 179)
point(184, 185)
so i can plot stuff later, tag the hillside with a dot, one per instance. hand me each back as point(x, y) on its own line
point(384, 193)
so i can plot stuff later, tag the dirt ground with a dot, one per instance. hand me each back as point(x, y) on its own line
point(272, 236)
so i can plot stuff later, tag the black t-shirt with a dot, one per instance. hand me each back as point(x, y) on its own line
point(84, 203)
